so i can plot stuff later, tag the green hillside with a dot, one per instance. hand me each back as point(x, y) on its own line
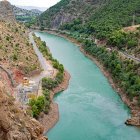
point(99, 17)
point(104, 20)
point(67, 11)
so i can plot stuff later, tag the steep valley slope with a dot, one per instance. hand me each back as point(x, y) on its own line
point(17, 59)
point(100, 19)
point(101, 14)
point(15, 123)
point(16, 53)
point(68, 10)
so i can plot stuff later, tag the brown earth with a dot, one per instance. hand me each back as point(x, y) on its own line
point(15, 123)
point(6, 11)
point(16, 53)
point(17, 59)
point(131, 28)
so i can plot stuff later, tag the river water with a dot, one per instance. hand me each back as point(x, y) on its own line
point(89, 109)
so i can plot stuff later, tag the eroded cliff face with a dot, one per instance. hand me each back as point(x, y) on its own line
point(6, 11)
point(15, 123)
point(61, 18)
point(67, 11)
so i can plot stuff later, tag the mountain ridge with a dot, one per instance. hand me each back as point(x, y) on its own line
point(32, 7)
point(6, 11)
point(25, 15)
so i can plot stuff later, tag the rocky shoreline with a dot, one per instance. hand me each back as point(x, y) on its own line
point(49, 120)
point(135, 110)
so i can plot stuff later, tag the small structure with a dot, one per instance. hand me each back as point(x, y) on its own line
point(27, 91)
point(25, 81)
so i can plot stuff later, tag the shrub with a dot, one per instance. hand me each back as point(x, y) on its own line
point(132, 43)
point(15, 57)
point(48, 83)
point(42, 28)
point(37, 105)
point(7, 38)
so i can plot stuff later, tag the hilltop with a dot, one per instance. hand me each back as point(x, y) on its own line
point(6, 11)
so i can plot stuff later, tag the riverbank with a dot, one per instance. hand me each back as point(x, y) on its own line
point(134, 120)
point(49, 120)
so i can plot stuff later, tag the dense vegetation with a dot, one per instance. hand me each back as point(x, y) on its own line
point(102, 19)
point(125, 41)
point(114, 15)
point(104, 16)
point(123, 71)
point(52, 11)
point(42, 103)
point(66, 11)
point(122, 39)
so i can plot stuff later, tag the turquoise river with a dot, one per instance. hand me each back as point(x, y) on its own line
point(89, 109)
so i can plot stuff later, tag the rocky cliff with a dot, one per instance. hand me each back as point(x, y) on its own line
point(17, 58)
point(15, 123)
point(16, 53)
point(6, 11)
point(67, 11)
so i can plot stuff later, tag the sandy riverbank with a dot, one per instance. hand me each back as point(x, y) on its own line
point(49, 121)
point(135, 110)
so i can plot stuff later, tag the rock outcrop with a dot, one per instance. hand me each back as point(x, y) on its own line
point(6, 11)
point(16, 56)
point(15, 123)
point(66, 11)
